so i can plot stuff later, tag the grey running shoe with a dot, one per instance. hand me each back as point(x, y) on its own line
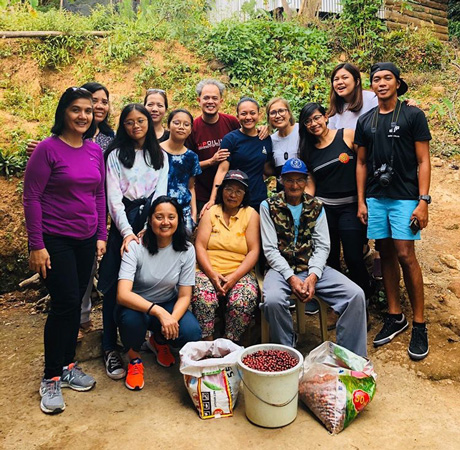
point(114, 365)
point(52, 401)
point(391, 328)
point(418, 347)
point(74, 378)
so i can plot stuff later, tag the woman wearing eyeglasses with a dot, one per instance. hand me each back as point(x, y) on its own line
point(156, 103)
point(137, 173)
point(285, 140)
point(227, 249)
point(64, 206)
point(331, 161)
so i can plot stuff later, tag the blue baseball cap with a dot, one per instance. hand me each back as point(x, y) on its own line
point(294, 165)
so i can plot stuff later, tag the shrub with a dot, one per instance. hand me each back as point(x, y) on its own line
point(415, 50)
point(273, 58)
point(359, 31)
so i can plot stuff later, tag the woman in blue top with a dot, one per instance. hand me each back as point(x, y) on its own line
point(248, 153)
point(184, 165)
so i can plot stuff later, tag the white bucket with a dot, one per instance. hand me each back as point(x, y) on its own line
point(271, 398)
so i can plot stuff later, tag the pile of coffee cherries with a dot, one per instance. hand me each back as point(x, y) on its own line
point(270, 360)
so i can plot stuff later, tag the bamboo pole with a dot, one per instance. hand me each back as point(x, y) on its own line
point(34, 34)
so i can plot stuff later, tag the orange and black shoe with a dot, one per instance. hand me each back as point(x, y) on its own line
point(164, 356)
point(135, 378)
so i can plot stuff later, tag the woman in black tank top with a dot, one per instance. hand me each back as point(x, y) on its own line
point(331, 163)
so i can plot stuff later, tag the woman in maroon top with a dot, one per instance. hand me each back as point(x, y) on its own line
point(64, 205)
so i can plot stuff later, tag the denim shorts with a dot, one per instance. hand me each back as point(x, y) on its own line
point(390, 218)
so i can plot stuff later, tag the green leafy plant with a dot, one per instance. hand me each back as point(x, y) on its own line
point(453, 14)
point(415, 50)
point(447, 113)
point(359, 30)
point(271, 58)
point(12, 163)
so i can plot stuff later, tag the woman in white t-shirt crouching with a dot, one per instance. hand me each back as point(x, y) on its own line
point(155, 288)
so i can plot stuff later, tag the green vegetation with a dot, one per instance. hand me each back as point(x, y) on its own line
point(419, 51)
point(360, 32)
point(265, 58)
point(454, 19)
point(261, 57)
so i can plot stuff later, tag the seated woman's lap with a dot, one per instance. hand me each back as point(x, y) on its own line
point(240, 305)
point(133, 326)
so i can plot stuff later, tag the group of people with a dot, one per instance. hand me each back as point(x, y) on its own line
point(363, 164)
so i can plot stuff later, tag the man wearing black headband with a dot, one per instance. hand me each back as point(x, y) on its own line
point(393, 177)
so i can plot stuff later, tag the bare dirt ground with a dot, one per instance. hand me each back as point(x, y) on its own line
point(416, 404)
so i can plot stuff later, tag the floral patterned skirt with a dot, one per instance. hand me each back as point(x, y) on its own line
point(240, 304)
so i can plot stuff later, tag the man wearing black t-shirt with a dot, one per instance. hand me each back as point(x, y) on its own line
point(393, 179)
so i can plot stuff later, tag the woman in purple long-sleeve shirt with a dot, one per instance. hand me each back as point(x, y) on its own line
point(64, 205)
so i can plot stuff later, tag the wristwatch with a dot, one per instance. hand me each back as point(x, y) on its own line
point(427, 198)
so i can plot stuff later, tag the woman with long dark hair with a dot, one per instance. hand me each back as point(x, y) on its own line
point(154, 290)
point(184, 165)
point(347, 99)
point(64, 205)
point(331, 161)
point(137, 173)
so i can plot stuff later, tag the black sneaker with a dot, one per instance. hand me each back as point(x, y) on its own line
point(418, 347)
point(114, 365)
point(391, 328)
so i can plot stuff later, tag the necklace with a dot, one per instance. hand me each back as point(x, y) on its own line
point(63, 139)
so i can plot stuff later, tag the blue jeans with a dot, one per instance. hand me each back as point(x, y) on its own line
point(133, 326)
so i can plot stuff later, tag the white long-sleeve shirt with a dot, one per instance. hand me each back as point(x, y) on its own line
point(137, 182)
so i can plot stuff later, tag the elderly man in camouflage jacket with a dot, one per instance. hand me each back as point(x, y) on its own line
point(295, 240)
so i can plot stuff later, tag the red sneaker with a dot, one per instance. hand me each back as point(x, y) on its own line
point(162, 352)
point(135, 378)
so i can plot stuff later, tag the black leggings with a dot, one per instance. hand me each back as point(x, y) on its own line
point(66, 281)
point(345, 228)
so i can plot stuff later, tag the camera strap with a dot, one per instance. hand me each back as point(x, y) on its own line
point(394, 123)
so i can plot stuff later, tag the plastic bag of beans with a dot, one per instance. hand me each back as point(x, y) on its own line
point(211, 376)
point(336, 385)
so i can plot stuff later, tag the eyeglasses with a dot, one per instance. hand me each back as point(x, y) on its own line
point(131, 123)
point(156, 91)
point(237, 192)
point(292, 181)
point(315, 119)
point(274, 112)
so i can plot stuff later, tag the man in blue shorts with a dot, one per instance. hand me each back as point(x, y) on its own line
point(393, 177)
